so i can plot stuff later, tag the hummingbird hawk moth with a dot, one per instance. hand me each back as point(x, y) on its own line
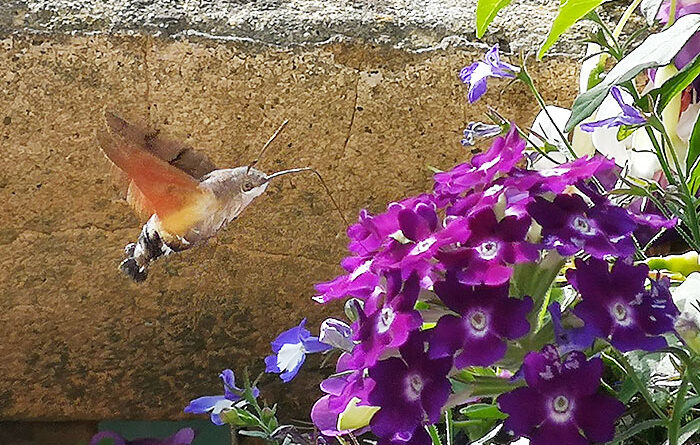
point(188, 199)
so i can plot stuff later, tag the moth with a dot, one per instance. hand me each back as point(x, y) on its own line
point(188, 199)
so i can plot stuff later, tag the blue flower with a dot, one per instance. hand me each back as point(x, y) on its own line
point(290, 349)
point(629, 116)
point(477, 73)
point(216, 404)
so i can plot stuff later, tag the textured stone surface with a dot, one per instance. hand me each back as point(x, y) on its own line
point(79, 341)
point(407, 24)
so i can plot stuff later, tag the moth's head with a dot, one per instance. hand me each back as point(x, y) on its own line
point(253, 182)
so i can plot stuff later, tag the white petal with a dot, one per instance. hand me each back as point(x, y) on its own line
point(544, 126)
point(222, 405)
point(289, 356)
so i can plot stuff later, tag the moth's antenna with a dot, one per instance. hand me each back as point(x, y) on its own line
point(320, 178)
point(267, 144)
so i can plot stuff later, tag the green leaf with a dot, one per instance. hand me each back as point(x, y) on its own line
point(260, 434)
point(239, 417)
point(482, 411)
point(486, 11)
point(656, 50)
point(570, 12)
point(693, 156)
point(650, 8)
point(663, 95)
point(636, 429)
point(625, 131)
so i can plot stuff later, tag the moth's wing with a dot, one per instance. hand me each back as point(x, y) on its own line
point(176, 153)
point(158, 187)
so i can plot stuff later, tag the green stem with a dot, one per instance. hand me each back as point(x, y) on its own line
point(672, 13)
point(622, 361)
point(625, 17)
point(449, 427)
point(525, 77)
point(434, 435)
point(675, 423)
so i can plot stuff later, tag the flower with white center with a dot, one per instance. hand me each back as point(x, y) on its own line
point(290, 349)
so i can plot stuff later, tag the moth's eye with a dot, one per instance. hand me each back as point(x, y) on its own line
point(248, 186)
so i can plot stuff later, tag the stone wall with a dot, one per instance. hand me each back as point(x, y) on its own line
point(80, 341)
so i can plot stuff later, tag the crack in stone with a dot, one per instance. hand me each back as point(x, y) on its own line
point(352, 116)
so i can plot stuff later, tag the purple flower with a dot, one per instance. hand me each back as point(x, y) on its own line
point(347, 386)
point(569, 225)
point(561, 404)
point(616, 306)
point(502, 156)
point(572, 338)
point(387, 319)
point(479, 130)
point(493, 246)
point(410, 391)
point(476, 74)
point(559, 178)
point(692, 47)
point(629, 116)
point(488, 317)
point(423, 235)
point(290, 349)
point(216, 404)
point(183, 437)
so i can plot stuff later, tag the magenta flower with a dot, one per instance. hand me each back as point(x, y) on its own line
point(347, 384)
point(561, 404)
point(504, 154)
point(492, 248)
point(387, 320)
point(558, 179)
point(488, 317)
point(410, 391)
point(477, 73)
point(424, 235)
point(569, 226)
point(616, 307)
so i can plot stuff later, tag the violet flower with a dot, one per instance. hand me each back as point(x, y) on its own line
point(410, 391)
point(488, 317)
point(569, 225)
point(344, 391)
point(183, 437)
point(616, 307)
point(423, 235)
point(479, 130)
point(290, 349)
point(502, 157)
point(486, 257)
point(561, 404)
point(387, 319)
point(216, 404)
point(476, 74)
point(629, 116)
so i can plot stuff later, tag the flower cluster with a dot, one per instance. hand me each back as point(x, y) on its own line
point(437, 285)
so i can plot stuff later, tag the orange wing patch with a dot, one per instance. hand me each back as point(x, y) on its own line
point(158, 187)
